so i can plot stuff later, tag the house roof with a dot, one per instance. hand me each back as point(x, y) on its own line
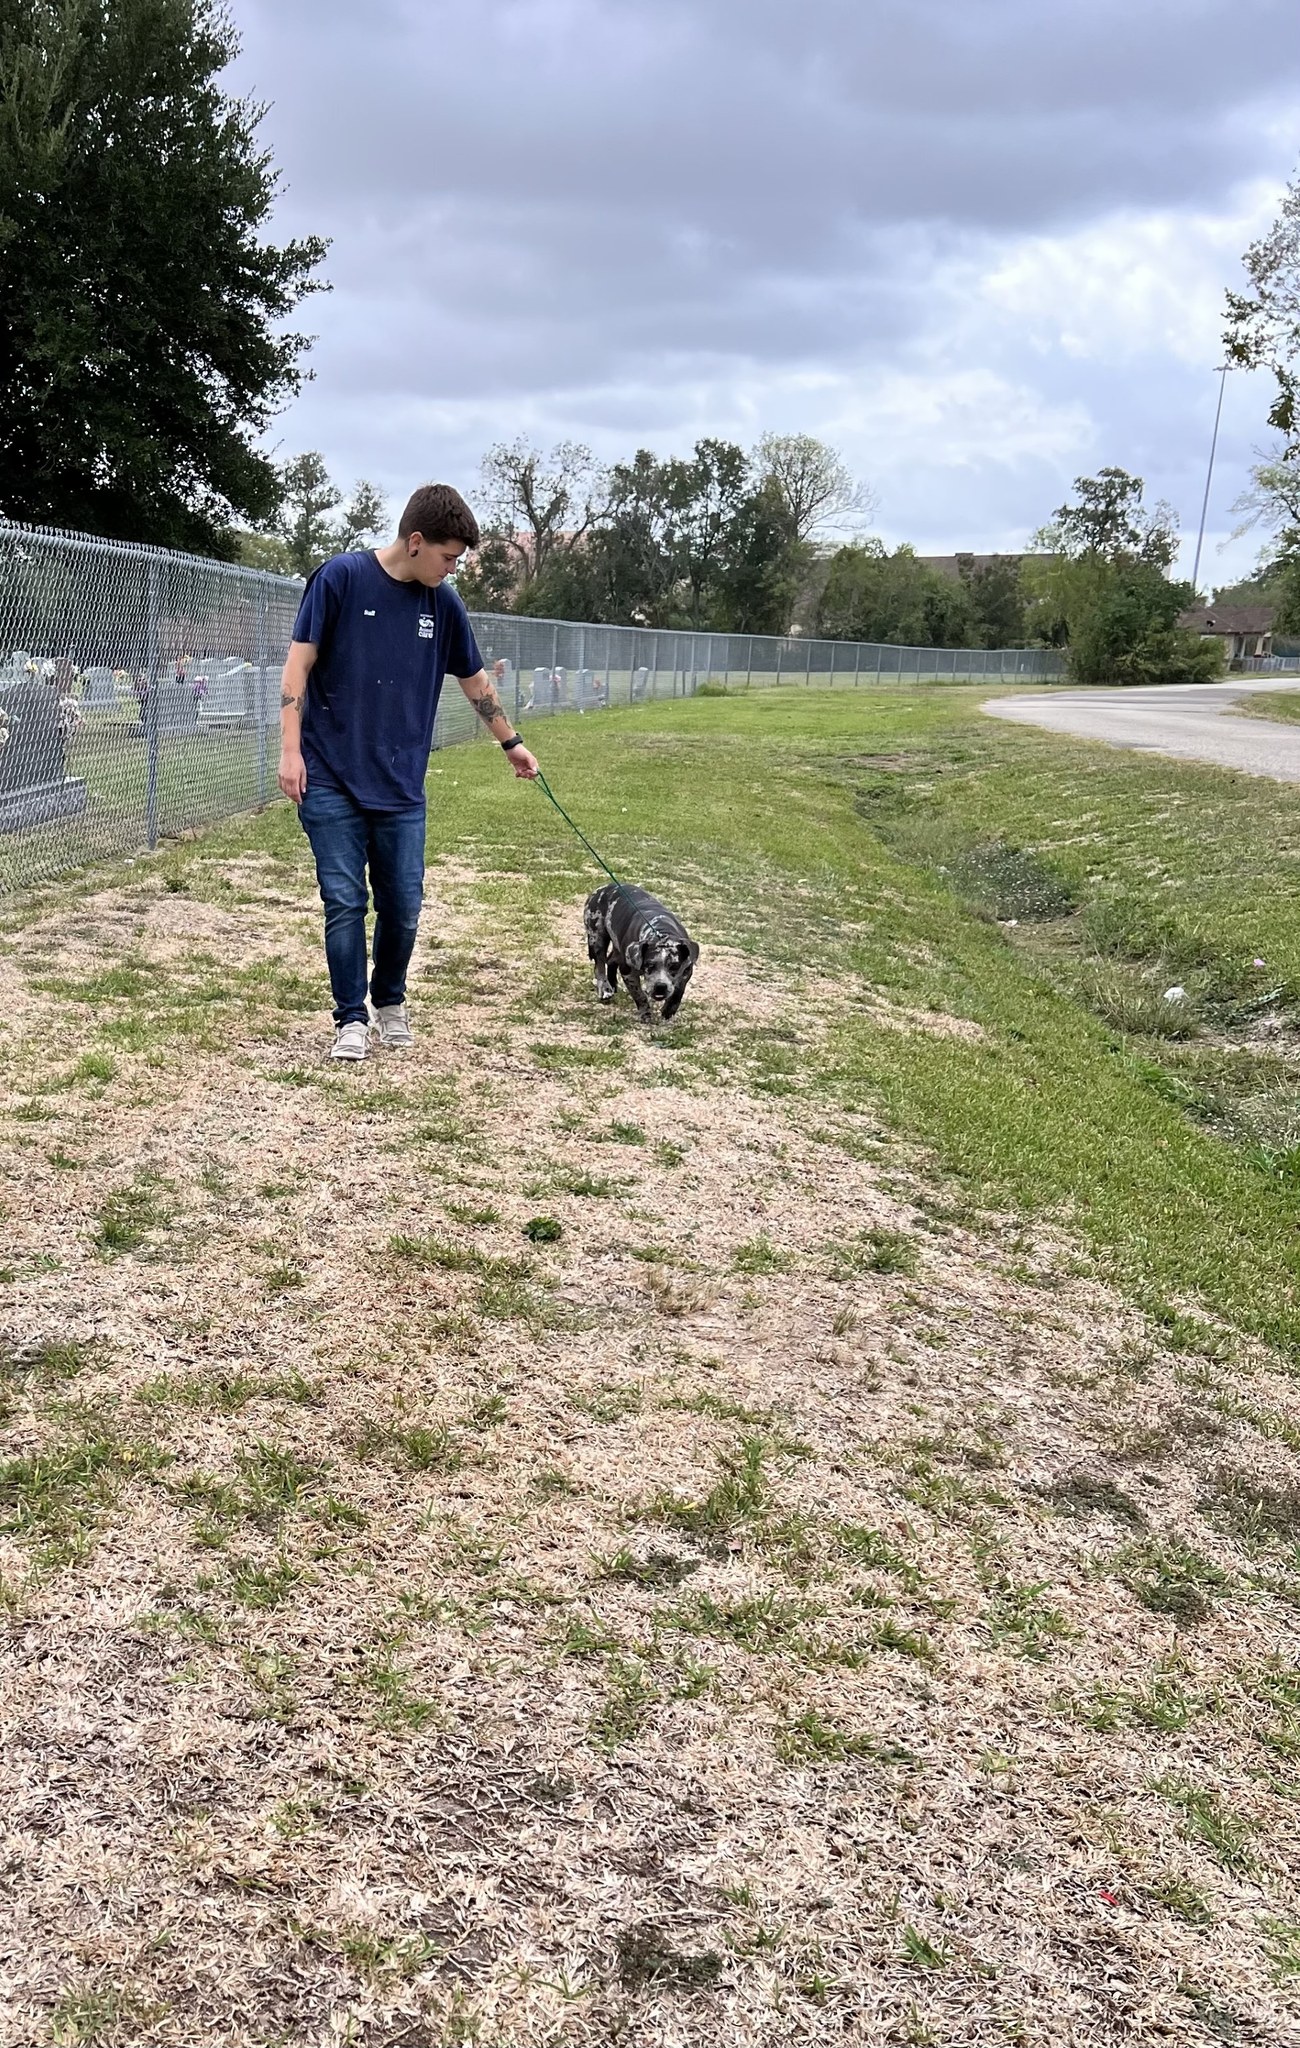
point(1229, 618)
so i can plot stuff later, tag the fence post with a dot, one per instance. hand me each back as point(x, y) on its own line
point(807, 669)
point(749, 672)
point(857, 669)
point(154, 658)
point(263, 600)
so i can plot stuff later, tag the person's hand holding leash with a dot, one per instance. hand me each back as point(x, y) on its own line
point(492, 712)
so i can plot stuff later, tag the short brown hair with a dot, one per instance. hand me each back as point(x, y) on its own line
point(438, 512)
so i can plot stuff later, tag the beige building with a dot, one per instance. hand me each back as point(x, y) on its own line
point(1245, 629)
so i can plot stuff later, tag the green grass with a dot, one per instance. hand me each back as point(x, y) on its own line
point(53, 1496)
point(1180, 872)
point(126, 1218)
point(1207, 1820)
point(909, 830)
point(1270, 704)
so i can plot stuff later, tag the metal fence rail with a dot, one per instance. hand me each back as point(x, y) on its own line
point(1266, 665)
point(139, 689)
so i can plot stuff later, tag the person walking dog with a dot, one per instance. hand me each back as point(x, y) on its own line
point(376, 632)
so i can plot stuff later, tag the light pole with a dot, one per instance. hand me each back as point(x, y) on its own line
point(1205, 502)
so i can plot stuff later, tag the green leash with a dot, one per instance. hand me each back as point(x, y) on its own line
point(540, 778)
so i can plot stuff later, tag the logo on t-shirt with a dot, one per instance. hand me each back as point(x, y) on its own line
point(426, 625)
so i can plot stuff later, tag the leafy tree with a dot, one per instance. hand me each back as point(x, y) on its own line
point(537, 505)
point(634, 553)
point(695, 542)
point(490, 581)
point(302, 534)
point(1262, 586)
point(1286, 572)
point(307, 498)
point(1272, 497)
point(1128, 633)
point(1108, 520)
point(871, 594)
point(142, 350)
point(1272, 500)
point(812, 479)
point(706, 495)
point(1101, 586)
point(1263, 331)
point(365, 517)
point(263, 551)
point(996, 599)
point(1276, 582)
point(765, 563)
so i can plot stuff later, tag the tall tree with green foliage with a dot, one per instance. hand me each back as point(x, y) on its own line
point(813, 481)
point(1100, 584)
point(537, 506)
point(698, 541)
point(894, 598)
point(1272, 500)
point(303, 534)
point(1107, 520)
point(996, 598)
point(1263, 331)
point(141, 350)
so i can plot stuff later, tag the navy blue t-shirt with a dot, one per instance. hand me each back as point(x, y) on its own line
point(383, 648)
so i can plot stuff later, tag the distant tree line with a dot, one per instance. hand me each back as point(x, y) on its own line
point(722, 540)
point(725, 541)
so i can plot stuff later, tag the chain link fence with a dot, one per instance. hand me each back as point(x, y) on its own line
point(140, 690)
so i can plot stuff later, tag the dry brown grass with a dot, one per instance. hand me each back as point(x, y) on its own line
point(787, 1608)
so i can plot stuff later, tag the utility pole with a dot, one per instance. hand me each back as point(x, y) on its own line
point(1205, 502)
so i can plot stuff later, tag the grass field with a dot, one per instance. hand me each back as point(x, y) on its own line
point(1271, 704)
point(783, 1529)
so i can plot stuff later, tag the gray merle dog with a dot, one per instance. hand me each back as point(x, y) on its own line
point(631, 933)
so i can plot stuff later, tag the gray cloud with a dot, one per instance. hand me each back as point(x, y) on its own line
point(641, 222)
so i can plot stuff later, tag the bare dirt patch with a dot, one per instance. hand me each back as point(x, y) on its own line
point(775, 1604)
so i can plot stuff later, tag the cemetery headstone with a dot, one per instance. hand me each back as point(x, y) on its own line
point(34, 783)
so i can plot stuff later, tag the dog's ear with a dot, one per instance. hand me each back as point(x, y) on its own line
point(632, 955)
point(694, 951)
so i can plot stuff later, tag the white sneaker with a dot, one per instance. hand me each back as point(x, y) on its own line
point(391, 1022)
point(351, 1042)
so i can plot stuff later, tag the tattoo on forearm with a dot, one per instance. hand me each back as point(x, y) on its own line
point(288, 702)
point(488, 706)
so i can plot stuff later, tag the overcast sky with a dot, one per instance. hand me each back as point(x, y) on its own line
point(979, 245)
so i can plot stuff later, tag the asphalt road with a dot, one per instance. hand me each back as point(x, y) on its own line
point(1193, 723)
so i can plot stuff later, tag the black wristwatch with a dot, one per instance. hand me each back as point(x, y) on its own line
point(508, 746)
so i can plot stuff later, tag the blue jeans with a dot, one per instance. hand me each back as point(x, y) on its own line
point(345, 839)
